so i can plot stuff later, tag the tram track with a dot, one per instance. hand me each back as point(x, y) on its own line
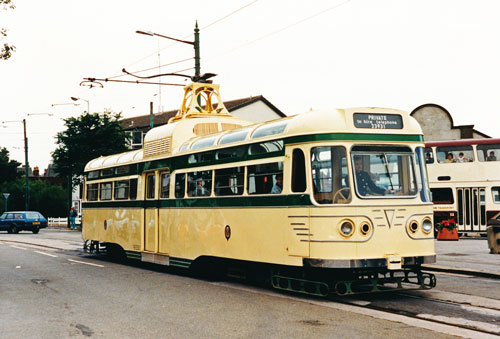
point(479, 314)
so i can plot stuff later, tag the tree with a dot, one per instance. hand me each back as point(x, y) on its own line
point(8, 167)
point(88, 137)
point(6, 50)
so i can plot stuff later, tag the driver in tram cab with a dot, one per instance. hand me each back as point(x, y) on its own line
point(364, 182)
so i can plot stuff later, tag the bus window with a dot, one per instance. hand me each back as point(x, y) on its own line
point(265, 178)
point(180, 185)
point(496, 194)
point(133, 189)
point(199, 183)
point(386, 171)
point(106, 190)
point(447, 154)
point(229, 181)
point(488, 152)
point(93, 175)
point(270, 129)
point(442, 196)
point(231, 153)
point(122, 189)
point(150, 186)
point(298, 171)
point(165, 185)
point(429, 155)
point(330, 175)
point(92, 192)
point(234, 136)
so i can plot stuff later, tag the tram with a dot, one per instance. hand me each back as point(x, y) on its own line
point(464, 177)
point(325, 202)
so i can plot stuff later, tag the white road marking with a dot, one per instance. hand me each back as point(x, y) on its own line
point(461, 321)
point(48, 254)
point(86, 263)
point(21, 248)
point(415, 322)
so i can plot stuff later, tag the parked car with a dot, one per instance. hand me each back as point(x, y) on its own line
point(13, 222)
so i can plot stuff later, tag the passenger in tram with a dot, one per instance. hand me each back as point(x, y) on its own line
point(428, 158)
point(364, 182)
point(200, 191)
point(449, 158)
point(278, 186)
point(491, 157)
point(461, 158)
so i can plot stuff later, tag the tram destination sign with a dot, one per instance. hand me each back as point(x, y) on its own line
point(378, 121)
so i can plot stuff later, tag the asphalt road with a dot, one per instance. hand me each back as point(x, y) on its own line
point(48, 293)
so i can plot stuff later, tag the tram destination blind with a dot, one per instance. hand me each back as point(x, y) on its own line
point(378, 121)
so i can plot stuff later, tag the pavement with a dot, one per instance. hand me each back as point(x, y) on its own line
point(469, 256)
point(466, 256)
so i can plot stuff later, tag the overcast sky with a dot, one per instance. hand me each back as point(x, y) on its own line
point(298, 54)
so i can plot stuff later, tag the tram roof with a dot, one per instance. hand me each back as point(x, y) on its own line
point(463, 142)
point(170, 139)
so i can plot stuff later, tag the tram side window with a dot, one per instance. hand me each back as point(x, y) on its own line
point(298, 171)
point(496, 194)
point(122, 189)
point(442, 196)
point(265, 178)
point(330, 175)
point(165, 185)
point(92, 192)
point(106, 190)
point(488, 152)
point(199, 183)
point(180, 185)
point(133, 189)
point(150, 186)
point(458, 154)
point(229, 181)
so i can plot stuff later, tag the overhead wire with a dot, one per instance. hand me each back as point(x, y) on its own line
point(281, 29)
point(184, 37)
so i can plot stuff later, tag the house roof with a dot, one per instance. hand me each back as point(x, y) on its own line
point(142, 121)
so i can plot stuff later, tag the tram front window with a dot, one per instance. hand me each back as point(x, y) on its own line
point(384, 171)
point(330, 175)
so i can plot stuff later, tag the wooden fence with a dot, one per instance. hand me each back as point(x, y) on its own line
point(62, 221)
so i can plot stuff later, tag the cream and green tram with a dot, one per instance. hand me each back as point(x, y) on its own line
point(323, 202)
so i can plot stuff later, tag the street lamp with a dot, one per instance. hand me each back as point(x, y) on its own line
point(195, 43)
point(88, 102)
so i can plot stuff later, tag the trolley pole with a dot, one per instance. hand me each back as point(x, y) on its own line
point(196, 51)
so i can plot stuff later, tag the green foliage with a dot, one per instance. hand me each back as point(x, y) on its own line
point(46, 198)
point(8, 167)
point(6, 50)
point(87, 137)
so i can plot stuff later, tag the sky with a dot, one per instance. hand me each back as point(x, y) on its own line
point(297, 54)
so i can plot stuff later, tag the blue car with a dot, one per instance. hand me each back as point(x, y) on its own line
point(13, 222)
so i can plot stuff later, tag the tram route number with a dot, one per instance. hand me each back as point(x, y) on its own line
point(378, 121)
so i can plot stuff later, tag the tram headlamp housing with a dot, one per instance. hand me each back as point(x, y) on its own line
point(427, 226)
point(346, 228)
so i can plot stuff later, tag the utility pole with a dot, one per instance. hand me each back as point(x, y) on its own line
point(26, 172)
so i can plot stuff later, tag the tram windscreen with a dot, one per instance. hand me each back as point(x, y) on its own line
point(384, 171)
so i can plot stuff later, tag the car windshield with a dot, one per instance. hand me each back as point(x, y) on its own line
point(384, 171)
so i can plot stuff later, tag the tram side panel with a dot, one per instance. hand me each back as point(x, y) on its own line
point(251, 234)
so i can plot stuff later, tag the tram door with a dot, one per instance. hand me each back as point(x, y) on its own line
point(471, 209)
point(150, 214)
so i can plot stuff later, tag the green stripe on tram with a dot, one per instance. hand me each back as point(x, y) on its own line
point(354, 137)
point(295, 200)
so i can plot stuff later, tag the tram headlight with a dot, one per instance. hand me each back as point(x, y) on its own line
point(413, 227)
point(365, 228)
point(346, 228)
point(427, 225)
